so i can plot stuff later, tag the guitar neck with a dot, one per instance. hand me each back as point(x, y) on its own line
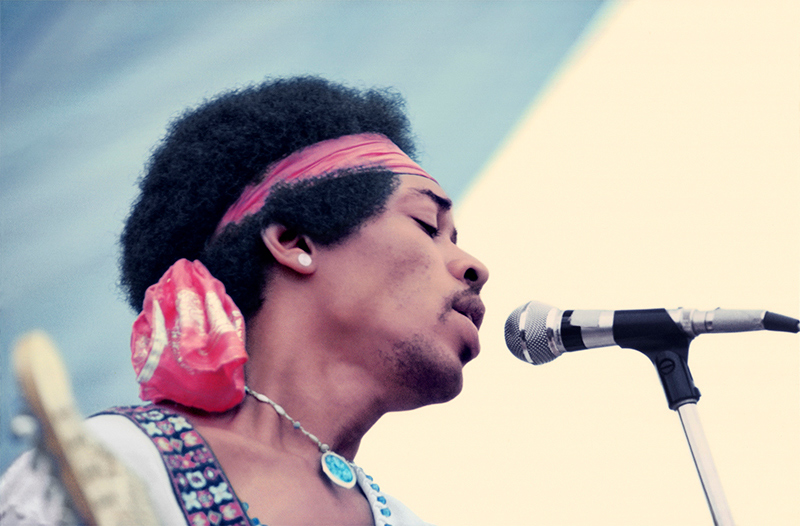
point(102, 489)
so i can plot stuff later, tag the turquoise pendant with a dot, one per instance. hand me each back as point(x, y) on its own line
point(338, 470)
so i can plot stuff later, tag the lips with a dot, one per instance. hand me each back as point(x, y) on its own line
point(470, 305)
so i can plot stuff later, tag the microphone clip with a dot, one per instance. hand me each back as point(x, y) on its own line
point(676, 378)
point(655, 334)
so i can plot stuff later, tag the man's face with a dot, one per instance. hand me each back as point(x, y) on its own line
point(404, 297)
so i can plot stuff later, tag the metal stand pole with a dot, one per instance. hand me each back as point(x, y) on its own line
point(701, 454)
point(654, 333)
point(669, 352)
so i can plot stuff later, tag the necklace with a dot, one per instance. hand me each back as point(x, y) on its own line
point(335, 466)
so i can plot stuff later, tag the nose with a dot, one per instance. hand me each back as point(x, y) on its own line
point(465, 267)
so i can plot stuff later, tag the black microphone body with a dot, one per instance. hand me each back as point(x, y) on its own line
point(537, 333)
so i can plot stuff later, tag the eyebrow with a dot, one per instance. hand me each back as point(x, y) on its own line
point(443, 203)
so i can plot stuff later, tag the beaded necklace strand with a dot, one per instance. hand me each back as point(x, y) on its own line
point(335, 466)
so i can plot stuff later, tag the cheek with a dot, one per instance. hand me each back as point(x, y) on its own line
point(390, 282)
point(409, 277)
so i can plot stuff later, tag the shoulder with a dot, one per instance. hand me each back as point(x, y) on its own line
point(385, 508)
point(138, 452)
point(30, 495)
point(402, 515)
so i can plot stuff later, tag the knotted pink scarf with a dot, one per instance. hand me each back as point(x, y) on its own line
point(188, 342)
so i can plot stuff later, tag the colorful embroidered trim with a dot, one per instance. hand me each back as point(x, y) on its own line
point(201, 488)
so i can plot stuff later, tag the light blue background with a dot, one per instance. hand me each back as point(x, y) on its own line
point(87, 88)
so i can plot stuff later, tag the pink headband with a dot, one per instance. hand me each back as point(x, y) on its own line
point(350, 151)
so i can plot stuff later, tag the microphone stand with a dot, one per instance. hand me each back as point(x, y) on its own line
point(682, 395)
point(669, 352)
point(701, 454)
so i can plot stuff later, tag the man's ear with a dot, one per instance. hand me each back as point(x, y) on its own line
point(289, 248)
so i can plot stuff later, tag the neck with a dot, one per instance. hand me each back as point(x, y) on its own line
point(333, 398)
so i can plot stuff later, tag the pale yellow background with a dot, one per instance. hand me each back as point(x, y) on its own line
point(660, 168)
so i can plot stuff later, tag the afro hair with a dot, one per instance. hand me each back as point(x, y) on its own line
point(212, 152)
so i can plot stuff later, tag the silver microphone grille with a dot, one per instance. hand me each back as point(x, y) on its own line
point(527, 340)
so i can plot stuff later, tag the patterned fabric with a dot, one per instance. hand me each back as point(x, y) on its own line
point(201, 488)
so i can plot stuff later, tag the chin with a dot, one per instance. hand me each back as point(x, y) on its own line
point(427, 377)
point(425, 393)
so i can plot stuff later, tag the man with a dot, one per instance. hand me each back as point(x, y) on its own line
point(298, 277)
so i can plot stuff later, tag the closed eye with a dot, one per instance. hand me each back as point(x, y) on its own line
point(431, 230)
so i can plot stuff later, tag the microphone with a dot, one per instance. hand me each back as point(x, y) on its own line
point(537, 333)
